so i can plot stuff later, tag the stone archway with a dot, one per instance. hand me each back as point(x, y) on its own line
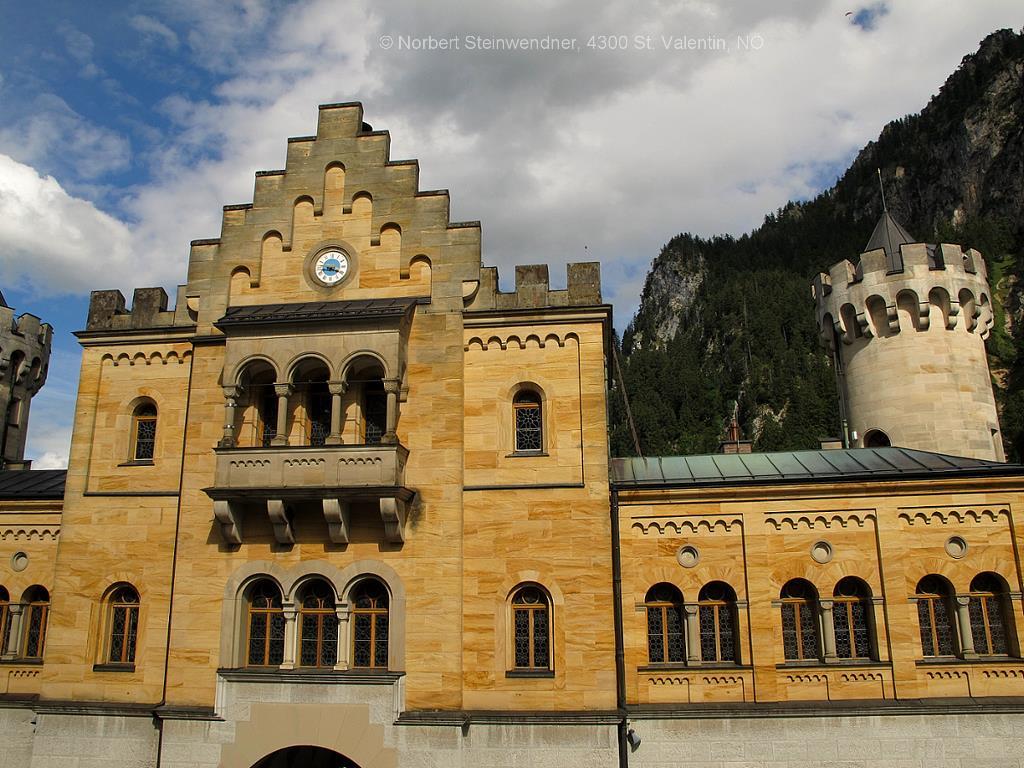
point(305, 757)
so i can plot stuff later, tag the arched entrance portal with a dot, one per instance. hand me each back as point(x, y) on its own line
point(305, 757)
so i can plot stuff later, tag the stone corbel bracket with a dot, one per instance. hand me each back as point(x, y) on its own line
point(336, 513)
point(229, 516)
point(281, 520)
point(393, 514)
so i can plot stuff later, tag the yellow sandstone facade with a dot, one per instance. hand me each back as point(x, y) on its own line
point(350, 504)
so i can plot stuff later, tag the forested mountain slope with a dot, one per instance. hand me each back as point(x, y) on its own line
point(725, 319)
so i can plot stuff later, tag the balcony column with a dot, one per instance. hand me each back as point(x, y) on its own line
point(283, 392)
point(337, 389)
point(828, 629)
point(12, 649)
point(391, 387)
point(343, 660)
point(963, 620)
point(692, 634)
point(231, 395)
point(289, 611)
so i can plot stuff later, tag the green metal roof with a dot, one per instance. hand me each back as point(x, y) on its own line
point(722, 470)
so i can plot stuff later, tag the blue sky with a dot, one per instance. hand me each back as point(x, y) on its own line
point(124, 127)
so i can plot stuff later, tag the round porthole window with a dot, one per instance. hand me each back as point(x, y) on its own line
point(821, 552)
point(688, 556)
point(956, 547)
point(19, 561)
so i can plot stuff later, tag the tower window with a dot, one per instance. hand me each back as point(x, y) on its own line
point(144, 432)
point(531, 629)
point(528, 423)
point(124, 626)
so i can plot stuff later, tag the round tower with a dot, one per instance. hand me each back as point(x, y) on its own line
point(907, 327)
point(24, 358)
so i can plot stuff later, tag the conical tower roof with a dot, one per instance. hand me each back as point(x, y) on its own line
point(3, 302)
point(889, 235)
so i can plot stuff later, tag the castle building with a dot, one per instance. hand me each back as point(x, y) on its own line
point(348, 504)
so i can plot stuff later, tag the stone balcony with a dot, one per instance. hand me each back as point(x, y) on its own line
point(334, 475)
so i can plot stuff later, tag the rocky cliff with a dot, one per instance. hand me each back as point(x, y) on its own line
point(730, 319)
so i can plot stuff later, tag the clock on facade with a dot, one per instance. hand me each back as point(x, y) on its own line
point(331, 266)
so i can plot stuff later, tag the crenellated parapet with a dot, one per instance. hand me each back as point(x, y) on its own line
point(532, 288)
point(938, 286)
point(107, 311)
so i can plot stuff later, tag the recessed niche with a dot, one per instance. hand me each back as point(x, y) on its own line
point(821, 552)
point(19, 561)
point(956, 547)
point(688, 556)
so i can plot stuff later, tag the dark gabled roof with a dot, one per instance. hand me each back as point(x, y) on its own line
point(34, 484)
point(317, 311)
point(724, 470)
point(889, 235)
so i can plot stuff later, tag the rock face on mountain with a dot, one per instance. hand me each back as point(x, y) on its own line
point(730, 319)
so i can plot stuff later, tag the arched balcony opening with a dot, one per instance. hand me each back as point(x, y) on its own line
point(369, 419)
point(256, 424)
point(310, 402)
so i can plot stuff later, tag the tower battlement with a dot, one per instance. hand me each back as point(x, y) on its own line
point(915, 287)
point(533, 291)
point(24, 360)
point(906, 326)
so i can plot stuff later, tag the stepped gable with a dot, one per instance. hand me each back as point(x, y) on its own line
point(339, 188)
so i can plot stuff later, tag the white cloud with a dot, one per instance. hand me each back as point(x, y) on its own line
point(152, 28)
point(54, 241)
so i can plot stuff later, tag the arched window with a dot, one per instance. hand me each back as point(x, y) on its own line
point(851, 608)
point(716, 608)
point(318, 626)
point(800, 621)
point(37, 609)
point(876, 438)
point(987, 608)
point(144, 432)
point(370, 625)
point(5, 619)
point(528, 423)
point(665, 644)
point(935, 615)
point(124, 626)
point(531, 629)
point(265, 647)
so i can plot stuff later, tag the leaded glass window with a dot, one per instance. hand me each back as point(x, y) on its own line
point(935, 615)
point(717, 621)
point(800, 621)
point(35, 616)
point(665, 641)
point(987, 612)
point(531, 629)
point(850, 612)
point(370, 625)
point(124, 625)
point(528, 426)
point(266, 626)
point(318, 627)
point(145, 432)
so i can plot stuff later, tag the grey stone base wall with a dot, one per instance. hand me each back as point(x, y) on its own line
point(875, 741)
point(359, 722)
point(93, 741)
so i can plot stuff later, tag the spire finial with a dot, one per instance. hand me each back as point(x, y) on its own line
point(881, 187)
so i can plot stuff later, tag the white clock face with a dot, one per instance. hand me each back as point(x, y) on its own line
point(331, 267)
